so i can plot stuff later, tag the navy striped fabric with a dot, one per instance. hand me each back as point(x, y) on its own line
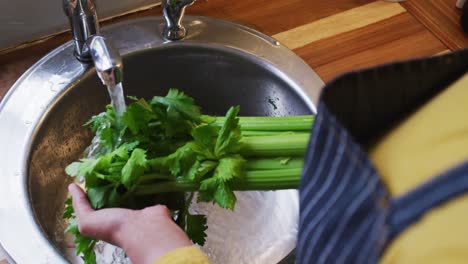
point(346, 213)
point(343, 203)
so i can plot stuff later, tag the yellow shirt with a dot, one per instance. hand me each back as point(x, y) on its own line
point(186, 255)
point(429, 142)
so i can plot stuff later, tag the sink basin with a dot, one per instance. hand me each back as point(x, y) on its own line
point(219, 64)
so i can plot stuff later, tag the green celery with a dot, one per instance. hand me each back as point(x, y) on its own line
point(269, 123)
point(253, 180)
point(165, 145)
point(274, 146)
point(253, 133)
point(274, 163)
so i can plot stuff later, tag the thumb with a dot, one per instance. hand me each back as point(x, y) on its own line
point(85, 214)
point(80, 201)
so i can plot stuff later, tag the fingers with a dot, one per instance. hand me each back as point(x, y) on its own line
point(127, 228)
point(80, 201)
point(101, 224)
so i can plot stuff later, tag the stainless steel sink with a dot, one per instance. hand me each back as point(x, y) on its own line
point(220, 64)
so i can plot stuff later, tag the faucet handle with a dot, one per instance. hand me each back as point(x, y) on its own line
point(173, 11)
point(84, 24)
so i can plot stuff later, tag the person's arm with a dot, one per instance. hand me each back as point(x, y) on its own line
point(146, 235)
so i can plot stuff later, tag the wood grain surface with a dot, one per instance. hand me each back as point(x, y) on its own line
point(382, 42)
point(332, 36)
point(339, 23)
point(273, 16)
point(441, 17)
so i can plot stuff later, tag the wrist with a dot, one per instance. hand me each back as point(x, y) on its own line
point(149, 239)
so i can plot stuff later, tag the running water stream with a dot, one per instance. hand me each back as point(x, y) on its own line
point(116, 94)
point(117, 99)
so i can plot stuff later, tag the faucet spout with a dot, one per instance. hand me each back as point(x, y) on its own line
point(107, 60)
point(84, 24)
point(173, 11)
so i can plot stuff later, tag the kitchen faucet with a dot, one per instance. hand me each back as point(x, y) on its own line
point(89, 45)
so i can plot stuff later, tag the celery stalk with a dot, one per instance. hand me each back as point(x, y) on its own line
point(274, 146)
point(269, 123)
point(253, 180)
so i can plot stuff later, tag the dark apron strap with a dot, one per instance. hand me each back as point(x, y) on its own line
point(409, 208)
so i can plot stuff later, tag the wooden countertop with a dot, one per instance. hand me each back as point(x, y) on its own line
point(332, 36)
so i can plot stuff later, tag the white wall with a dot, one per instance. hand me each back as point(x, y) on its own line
point(26, 20)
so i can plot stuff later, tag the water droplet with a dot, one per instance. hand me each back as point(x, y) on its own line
point(277, 43)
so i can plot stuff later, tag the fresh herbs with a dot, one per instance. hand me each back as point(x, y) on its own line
point(167, 146)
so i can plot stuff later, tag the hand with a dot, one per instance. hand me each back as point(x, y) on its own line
point(145, 235)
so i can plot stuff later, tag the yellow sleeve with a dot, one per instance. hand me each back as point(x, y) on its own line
point(186, 255)
point(430, 141)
